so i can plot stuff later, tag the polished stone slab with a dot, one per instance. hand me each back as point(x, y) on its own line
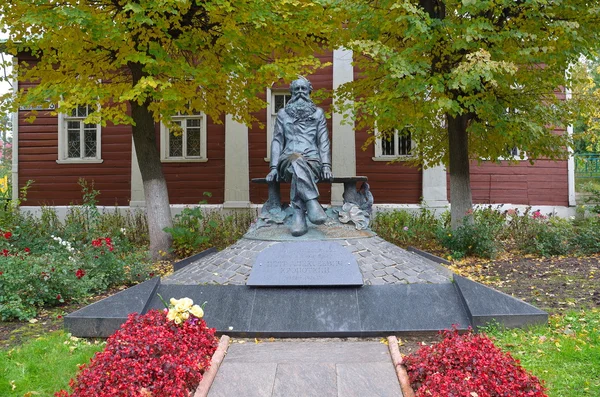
point(103, 318)
point(309, 352)
point(387, 309)
point(289, 312)
point(241, 380)
point(227, 308)
point(305, 263)
point(367, 379)
point(328, 368)
point(485, 305)
point(300, 380)
point(194, 258)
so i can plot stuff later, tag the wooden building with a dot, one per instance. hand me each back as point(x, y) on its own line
point(221, 158)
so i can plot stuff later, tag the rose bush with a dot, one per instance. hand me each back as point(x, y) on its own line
point(62, 271)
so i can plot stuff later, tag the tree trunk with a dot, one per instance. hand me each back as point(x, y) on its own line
point(460, 179)
point(155, 186)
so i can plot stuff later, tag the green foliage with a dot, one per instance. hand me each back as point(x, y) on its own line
point(492, 231)
point(179, 56)
point(188, 231)
point(565, 353)
point(586, 239)
point(406, 228)
point(553, 238)
point(194, 231)
point(593, 200)
point(480, 237)
point(422, 62)
point(44, 365)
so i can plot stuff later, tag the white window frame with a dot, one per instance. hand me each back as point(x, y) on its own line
point(63, 142)
point(379, 156)
point(272, 116)
point(164, 140)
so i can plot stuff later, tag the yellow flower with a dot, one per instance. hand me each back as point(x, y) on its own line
point(185, 315)
point(187, 303)
point(173, 301)
point(171, 315)
point(197, 311)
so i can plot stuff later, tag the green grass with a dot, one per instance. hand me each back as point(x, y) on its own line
point(581, 182)
point(565, 354)
point(44, 365)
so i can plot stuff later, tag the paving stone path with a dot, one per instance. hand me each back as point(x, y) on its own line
point(307, 368)
point(379, 261)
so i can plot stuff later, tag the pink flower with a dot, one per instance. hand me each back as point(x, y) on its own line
point(405, 228)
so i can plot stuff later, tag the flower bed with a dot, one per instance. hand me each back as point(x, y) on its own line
point(158, 354)
point(63, 270)
point(469, 365)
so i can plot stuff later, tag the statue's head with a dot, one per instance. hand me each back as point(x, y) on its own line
point(300, 106)
point(301, 85)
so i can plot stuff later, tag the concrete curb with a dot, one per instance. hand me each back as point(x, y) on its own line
point(215, 363)
point(407, 391)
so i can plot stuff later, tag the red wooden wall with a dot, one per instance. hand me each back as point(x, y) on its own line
point(187, 181)
point(545, 183)
point(56, 184)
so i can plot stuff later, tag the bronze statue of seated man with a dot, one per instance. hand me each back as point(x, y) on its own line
point(301, 155)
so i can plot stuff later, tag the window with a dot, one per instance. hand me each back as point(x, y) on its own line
point(187, 143)
point(79, 142)
point(393, 146)
point(277, 101)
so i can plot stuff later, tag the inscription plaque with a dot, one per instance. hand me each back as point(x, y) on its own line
point(306, 263)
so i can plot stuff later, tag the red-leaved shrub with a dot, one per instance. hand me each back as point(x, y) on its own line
point(468, 365)
point(148, 356)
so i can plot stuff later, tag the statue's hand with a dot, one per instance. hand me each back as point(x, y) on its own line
point(273, 176)
point(326, 173)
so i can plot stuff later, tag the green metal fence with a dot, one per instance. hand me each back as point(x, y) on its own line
point(587, 165)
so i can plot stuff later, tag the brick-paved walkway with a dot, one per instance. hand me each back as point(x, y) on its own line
point(379, 261)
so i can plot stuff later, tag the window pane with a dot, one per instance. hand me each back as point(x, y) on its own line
point(193, 142)
point(193, 122)
point(279, 102)
point(388, 145)
point(82, 111)
point(73, 144)
point(90, 141)
point(175, 145)
point(404, 145)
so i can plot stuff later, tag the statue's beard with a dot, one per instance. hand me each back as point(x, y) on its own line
point(300, 107)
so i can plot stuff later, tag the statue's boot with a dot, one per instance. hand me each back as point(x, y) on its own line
point(315, 212)
point(299, 226)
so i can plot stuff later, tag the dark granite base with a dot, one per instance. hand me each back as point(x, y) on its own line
point(244, 311)
point(191, 259)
